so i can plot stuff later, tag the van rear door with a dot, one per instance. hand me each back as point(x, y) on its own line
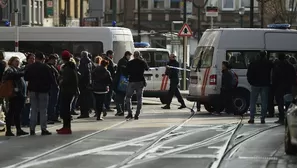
point(201, 77)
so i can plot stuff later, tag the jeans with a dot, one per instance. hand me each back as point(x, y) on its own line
point(39, 104)
point(120, 102)
point(255, 92)
point(26, 114)
point(138, 87)
point(52, 104)
point(67, 99)
point(99, 99)
point(85, 98)
point(73, 104)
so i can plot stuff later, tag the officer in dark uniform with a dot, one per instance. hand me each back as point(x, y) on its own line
point(174, 80)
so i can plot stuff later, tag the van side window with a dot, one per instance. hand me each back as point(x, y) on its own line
point(203, 56)
point(273, 55)
point(241, 59)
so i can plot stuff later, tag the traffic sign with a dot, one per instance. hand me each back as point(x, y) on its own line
point(185, 31)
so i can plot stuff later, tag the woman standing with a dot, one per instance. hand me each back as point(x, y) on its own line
point(101, 80)
point(17, 101)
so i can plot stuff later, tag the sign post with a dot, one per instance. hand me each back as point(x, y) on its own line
point(185, 32)
point(212, 11)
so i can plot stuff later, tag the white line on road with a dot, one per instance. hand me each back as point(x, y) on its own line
point(21, 164)
point(114, 153)
point(30, 163)
point(189, 156)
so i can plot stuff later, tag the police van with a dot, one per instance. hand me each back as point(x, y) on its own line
point(239, 46)
point(157, 81)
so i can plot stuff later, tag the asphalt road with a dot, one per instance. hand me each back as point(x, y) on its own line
point(160, 138)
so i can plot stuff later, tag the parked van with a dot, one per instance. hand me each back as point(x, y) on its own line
point(239, 46)
point(157, 81)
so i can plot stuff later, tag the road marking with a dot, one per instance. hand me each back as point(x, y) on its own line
point(21, 164)
point(258, 158)
point(114, 153)
point(189, 156)
point(30, 163)
point(214, 147)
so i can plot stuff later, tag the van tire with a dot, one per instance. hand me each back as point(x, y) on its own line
point(290, 149)
point(241, 101)
point(209, 108)
point(164, 100)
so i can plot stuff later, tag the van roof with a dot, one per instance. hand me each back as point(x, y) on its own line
point(251, 29)
point(151, 49)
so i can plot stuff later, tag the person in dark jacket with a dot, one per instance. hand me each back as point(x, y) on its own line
point(30, 59)
point(135, 71)
point(112, 70)
point(40, 80)
point(259, 77)
point(85, 70)
point(17, 102)
point(120, 95)
point(69, 88)
point(226, 90)
point(102, 80)
point(283, 78)
point(174, 81)
point(54, 92)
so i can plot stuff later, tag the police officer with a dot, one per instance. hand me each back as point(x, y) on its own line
point(174, 80)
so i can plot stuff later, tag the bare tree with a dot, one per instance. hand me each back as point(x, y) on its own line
point(280, 11)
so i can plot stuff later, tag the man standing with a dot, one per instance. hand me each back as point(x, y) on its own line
point(120, 95)
point(85, 70)
point(54, 92)
point(174, 80)
point(283, 79)
point(259, 77)
point(39, 79)
point(69, 87)
point(135, 72)
point(111, 69)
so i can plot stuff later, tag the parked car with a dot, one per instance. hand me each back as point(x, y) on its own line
point(291, 129)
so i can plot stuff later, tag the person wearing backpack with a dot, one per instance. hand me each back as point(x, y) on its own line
point(226, 89)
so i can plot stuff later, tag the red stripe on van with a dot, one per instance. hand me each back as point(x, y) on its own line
point(166, 82)
point(162, 84)
point(204, 83)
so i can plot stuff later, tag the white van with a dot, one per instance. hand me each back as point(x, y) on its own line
point(239, 46)
point(157, 82)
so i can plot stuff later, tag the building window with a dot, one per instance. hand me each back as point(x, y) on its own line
point(111, 4)
point(159, 4)
point(76, 6)
point(24, 10)
point(291, 5)
point(228, 5)
point(175, 4)
point(144, 4)
point(247, 4)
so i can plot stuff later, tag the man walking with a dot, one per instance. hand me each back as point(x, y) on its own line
point(135, 72)
point(111, 69)
point(39, 79)
point(174, 80)
point(259, 77)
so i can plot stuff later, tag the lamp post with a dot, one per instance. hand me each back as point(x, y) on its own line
point(241, 14)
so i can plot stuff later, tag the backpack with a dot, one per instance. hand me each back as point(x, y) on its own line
point(234, 79)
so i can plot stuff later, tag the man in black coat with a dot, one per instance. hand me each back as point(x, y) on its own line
point(111, 69)
point(120, 95)
point(174, 81)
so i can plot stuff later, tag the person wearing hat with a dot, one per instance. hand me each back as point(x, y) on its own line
point(40, 80)
point(174, 80)
point(120, 95)
point(69, 87)
point(54, 92)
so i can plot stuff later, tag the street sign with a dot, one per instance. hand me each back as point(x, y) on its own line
point(212, 11)
point(185, 31)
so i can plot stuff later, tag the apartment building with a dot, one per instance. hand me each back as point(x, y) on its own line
point(157, 15)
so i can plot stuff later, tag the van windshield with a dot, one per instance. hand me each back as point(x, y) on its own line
point(203, 57)
point(155, 58)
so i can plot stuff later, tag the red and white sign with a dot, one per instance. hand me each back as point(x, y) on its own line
point(49, 4)
point(212, 11)
point(185, 31)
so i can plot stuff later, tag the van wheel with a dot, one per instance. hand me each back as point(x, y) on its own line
point(164, 99)
point(209, 108)
point(241, 102)
point(290, 149)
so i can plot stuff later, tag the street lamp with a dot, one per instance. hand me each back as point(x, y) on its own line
point(241, 14)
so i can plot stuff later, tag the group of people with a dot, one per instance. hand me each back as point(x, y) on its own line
point(272, 80)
